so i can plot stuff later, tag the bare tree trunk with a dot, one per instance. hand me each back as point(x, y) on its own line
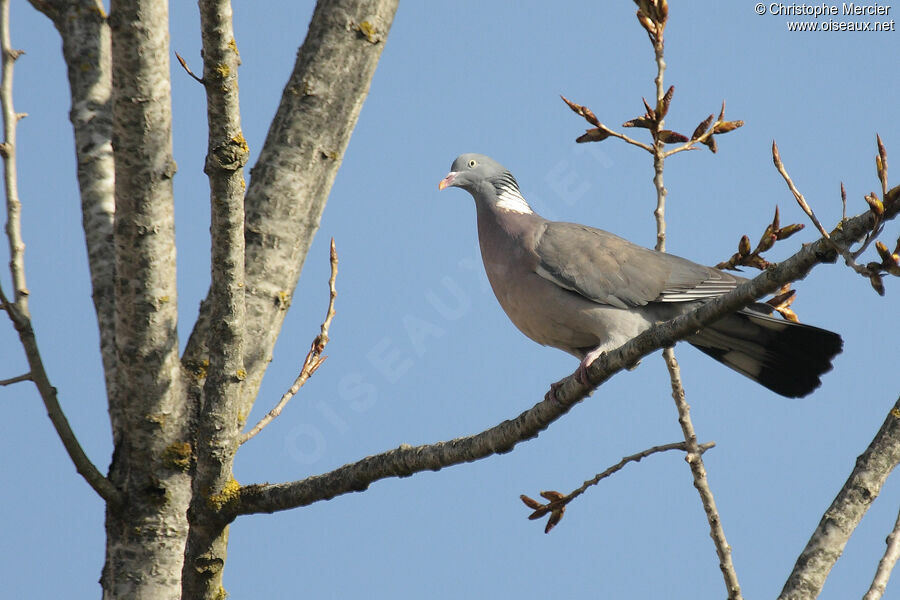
point(145, 533)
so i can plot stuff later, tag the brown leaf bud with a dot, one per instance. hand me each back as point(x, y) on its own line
point(710, 143)
point(642, 122)
point(552, 495)
point(788, 230)
point(647, 24)
point(702, 127)
point(592, 135)
point(757, 262)
point(875, 204)
point(662, 107)
point(583, 111)
point(877, 283)
point(555, 517)
point(726, 126)
point(785, 298)
point(883, 251)
point(651, 113)
point(667, 136)
point(767, 240)
point(788, 314)
point(539, 513)
point(744, 246)
point(530, 502)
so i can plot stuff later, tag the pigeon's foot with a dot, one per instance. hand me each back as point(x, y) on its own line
point(581, 374)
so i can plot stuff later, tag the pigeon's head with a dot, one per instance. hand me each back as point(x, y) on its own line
point(487, 180)
point(469, 171)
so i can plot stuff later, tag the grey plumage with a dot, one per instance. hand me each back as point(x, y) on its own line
point(586, 291)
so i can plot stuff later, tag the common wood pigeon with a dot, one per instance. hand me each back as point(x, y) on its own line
point(587, 291)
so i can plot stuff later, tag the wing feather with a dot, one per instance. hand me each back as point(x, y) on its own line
point(610, 270)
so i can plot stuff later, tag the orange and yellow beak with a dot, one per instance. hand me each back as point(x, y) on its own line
point(447, 181)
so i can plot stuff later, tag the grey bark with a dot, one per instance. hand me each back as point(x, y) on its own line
point(146, 533)
point(218, 424)
point(846, 511)
point(296, 168)
point(84, 31)
point(129, 233)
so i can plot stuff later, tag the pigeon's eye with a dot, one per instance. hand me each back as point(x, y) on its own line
point(472, 163)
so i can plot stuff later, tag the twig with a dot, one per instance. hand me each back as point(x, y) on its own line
point(314, 357)
point(183, 64)
point(10, 173)
point(886, 564)
point(845, 254)
point(745, 257)
point(17, 379)
point(694, 460)
point(631, 141)
point(558, 502)
point(693, 457)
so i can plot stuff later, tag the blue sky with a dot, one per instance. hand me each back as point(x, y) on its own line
point(422, 352)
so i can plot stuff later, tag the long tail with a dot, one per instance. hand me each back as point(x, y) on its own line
point(788, 358)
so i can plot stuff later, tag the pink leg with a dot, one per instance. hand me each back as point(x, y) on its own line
point(590, 357)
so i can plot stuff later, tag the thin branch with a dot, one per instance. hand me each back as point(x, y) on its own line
point(633, 458)
point(693, 457)
point(863, 485)
point(17, 309)
point(184, 66)
point(17, 379)
point(314, 357)
point(698, 470)
point(600, 131)
point(10, 174)
point(845, 254)
point(556, 507)
point(886, 564)
point(408, 460)
point(631, 141)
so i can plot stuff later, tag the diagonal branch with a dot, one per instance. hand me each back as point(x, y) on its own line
point(846, 511)
point(886, 564)
point(296, 168)
point(100, 484)
point(558, 502)
point(314, 358)
point(16, 379)
point(17, 308)
point(407, 460)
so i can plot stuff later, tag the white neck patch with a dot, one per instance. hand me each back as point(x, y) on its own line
point(509, 198)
